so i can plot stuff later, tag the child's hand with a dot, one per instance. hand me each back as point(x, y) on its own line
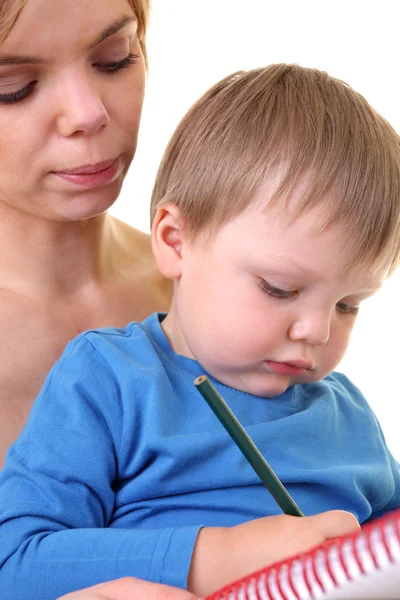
point(222, 555)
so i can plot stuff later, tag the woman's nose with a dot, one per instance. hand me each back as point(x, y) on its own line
point(82, 110)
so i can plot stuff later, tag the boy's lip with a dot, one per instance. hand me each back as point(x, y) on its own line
point(300, 364)
point(292, 367)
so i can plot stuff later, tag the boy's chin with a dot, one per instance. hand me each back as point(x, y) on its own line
point(262, 385)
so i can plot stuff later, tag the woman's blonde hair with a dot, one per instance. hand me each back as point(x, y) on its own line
point(9, 13)
point(302, 125)
point(11, 9)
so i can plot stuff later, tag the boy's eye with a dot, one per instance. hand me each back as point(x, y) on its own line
point(276, 292)
point(344, 308)
point(112, 67)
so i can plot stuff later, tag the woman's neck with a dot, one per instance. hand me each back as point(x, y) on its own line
point(48, 258)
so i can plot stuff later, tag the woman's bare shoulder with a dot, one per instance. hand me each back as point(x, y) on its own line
point(137, 260)
point(135, 244)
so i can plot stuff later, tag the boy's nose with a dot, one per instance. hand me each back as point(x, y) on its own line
point(313, 328)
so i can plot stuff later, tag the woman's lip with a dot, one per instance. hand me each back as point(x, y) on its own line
point(88, 169)
point(293, 368)
point(92, 176)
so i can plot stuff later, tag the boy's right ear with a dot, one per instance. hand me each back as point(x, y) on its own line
point(167, 240)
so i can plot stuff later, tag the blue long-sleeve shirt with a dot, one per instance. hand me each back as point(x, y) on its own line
point(122, 461)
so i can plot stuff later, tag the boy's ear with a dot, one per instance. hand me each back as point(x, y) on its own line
point(167, 240)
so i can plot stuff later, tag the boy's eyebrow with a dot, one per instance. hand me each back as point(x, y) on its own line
point(290, 263)
point(26, 59)
point(375, 287)
point(369, 289)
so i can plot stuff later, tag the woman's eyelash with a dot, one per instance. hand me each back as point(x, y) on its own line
point(14, 97)
point(112, 67)
point(276, 292)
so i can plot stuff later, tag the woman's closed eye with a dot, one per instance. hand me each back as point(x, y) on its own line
point(18, 95)
point(113, 67)
point(110, 67)
point(275, 292)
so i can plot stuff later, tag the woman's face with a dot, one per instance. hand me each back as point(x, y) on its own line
point(72, 83)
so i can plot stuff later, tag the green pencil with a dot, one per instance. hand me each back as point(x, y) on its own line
point(247, 446)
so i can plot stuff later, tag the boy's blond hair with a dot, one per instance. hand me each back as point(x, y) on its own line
point(11, 9)
point(299, 124)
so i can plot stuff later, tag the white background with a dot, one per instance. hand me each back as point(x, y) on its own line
point(193, 43)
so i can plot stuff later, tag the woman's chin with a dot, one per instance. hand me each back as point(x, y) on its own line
point(86, 204)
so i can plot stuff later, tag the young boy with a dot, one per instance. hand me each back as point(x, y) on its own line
point(276, 212)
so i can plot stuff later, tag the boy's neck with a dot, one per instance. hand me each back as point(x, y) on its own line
point(172, 330)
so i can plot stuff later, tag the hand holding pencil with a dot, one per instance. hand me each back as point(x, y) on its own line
point(224, 554)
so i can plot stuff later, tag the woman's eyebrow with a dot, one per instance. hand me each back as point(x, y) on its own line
point(19, 59)
point(10, 59)
point(112, 29)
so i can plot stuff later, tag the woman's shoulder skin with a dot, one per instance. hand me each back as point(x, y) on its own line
point(137, 265)
point(35, 329)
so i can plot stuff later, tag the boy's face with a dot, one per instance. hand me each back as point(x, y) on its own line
point(266, 304)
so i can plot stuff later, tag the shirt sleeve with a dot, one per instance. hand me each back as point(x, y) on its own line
point(57, 498)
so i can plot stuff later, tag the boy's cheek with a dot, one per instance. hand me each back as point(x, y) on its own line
point(335, 351)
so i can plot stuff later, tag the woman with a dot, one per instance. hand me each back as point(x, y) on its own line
point(71, 90)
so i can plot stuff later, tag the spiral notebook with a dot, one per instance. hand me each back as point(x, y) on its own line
point(365, 565)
